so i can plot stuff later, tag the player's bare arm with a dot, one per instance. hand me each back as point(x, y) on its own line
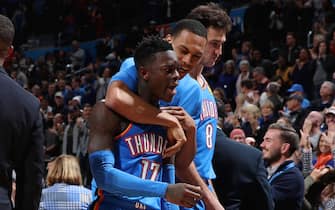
point(104, 125)
point(131, 106)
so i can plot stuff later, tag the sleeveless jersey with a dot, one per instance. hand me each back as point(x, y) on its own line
point(206, 133)
point(137, 151)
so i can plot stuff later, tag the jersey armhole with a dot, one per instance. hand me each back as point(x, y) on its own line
point(117, 137)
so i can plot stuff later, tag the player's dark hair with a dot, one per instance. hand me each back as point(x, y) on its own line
point(147, 48)
point(190, 25)
point(211, 15)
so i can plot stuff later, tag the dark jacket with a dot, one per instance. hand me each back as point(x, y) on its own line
point(288, 188)
point(21, 143)
point(241, 180)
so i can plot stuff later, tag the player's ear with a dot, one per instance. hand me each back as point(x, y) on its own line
point(144, 73)
point(168, 38)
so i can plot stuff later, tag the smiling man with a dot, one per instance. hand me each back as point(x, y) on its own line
point(286, 180)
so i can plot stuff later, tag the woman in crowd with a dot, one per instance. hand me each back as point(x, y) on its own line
point(65, 190)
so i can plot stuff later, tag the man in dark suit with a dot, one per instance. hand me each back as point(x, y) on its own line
point(21, 135)
point(241, 178)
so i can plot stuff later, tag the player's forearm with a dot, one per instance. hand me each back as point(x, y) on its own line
point(126, 103)
point(113, 180)
point(185, 156)
point(190, 175)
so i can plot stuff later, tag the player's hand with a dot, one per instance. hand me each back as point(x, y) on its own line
point(177, 139)
point(176, 135)
point(183, 194)
point(185, 119)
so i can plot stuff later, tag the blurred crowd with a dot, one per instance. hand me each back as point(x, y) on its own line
point(279, 67)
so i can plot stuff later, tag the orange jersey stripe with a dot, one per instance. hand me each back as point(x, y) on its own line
point(101, 198)
point(124, 132)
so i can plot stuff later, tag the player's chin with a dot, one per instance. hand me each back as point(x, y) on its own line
point(169, 93)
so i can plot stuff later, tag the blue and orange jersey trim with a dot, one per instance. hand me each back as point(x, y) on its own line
point(123, 132)
point(98, 202)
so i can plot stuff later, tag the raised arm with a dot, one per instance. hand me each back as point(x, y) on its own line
point(129, 105)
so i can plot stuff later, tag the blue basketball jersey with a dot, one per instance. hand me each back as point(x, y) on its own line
point(127, 74)
point(137, 151)
point(188, 96)
point(206, 133)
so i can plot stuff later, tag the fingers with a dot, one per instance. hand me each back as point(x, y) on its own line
point(193, 191)
point(171, 108)
point(189, 203)
point(192, 195)
point(170, 151)
point(175, 113)
point(174, 110)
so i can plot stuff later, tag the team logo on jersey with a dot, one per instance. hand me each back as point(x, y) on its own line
point(146, 143)
point(209, 110)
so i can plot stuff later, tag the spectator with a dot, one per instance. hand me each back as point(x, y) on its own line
point(82, 145)
point(65, 190)
point(284, 70)
point(244, 74)
point(238, 135)
point(297, 89)
point(271, 93)
point(227, 79)
point(268, 116)
point(296, 113)
point(77, 55)
point(327, 93)
point(291, 48)
point(303, 72)
point(323, 156)
point(258, 74)
point(286, 180)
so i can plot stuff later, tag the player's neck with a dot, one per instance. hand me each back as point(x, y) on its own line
point(196, 73)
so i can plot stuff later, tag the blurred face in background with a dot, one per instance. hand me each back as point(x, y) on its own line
point(324, 146)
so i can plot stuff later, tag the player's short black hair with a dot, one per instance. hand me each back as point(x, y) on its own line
point(211, 15)
point(147, 48)
point(190, 25)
